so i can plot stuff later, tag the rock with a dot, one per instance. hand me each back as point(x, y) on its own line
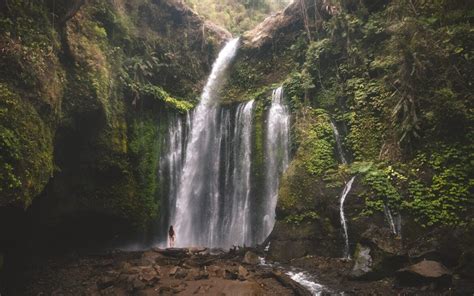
point(149, 275)
point(201, 275)
point(289, 283)
point(196, 250)
point(423, 273)
point(243, 273)
point(466, 265)
point(379, 254)
point(173, 270)
point(178, 272)
point(105, 282)
point(138, 284)
point(251, 258)
point(204, 289)
point(173, 252)
point(216, 271)
point(362, 262)
point(230, 275)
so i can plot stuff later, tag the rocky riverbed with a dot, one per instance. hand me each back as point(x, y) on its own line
point(208, 272)
point(158, 272)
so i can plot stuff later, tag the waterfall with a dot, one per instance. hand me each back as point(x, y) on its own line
point(347, 189)
point(207, 170)
point(337, 136)
point(389, 217)
point(395, 223)
point(171, 164)
point(240, 222)
point(277, 156)
point(213, 199)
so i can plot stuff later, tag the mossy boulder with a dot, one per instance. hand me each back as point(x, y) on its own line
point(26, 142)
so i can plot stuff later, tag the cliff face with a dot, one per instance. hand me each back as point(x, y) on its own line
point(86, 88)
point(401, 108)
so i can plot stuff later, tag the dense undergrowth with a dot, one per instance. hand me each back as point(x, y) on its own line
point(396, 77)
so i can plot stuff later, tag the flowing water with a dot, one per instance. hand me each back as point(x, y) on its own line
point(207, 170)
point(197, 202)
point(277, 144)
point(389, 217)
point(337, 136)
point(347, 189)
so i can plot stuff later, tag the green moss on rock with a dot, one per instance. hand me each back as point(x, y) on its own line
point(26, 143)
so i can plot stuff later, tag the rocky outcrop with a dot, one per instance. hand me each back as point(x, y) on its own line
point(424, 273)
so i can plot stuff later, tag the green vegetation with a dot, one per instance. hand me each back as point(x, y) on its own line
point(397, 76)
point(237, 15)
point(95, 81)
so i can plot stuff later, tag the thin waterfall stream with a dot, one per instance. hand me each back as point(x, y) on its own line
point(345, 191)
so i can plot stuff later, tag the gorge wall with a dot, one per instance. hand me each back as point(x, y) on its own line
point(87, 89)
point(401, 106)
point(90, 89)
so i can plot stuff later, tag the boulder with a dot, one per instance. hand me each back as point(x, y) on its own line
point(424, 272)
point(243, 273)
point(362, 262)
point(105, 282)
point(379, 254)
point(251, 258)
point(230, 275)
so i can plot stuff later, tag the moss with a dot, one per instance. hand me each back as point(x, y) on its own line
point(26, 149)
point(159, 94)
point(316, 142)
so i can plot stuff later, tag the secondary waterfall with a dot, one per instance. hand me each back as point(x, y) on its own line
point(277, 156)
point(337, 136)
point(345, 191)
point(395, 223)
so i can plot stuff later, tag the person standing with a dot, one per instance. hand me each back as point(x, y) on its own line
point(171, 236)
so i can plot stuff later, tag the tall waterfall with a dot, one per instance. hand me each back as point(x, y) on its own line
point(277, 156)
point(345, 191)
point(207, 170)
point(213, 199)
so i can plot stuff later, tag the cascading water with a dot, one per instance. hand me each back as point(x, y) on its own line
point(337, 136)
point(345, 191)
point(197, 204)
point(208, 168)
point(389, 217)
point(394, 222)
point(277, 145)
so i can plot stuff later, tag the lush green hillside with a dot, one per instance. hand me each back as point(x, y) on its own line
point(237, 15)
